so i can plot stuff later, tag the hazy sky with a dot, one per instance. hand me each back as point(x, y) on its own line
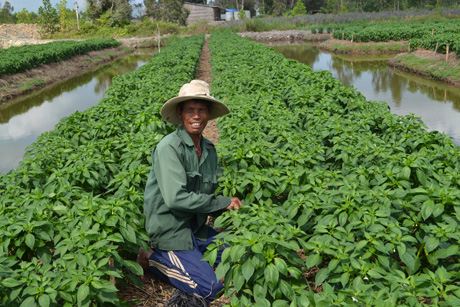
point(33, 5)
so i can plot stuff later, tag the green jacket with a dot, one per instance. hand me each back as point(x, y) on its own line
point(180, 192)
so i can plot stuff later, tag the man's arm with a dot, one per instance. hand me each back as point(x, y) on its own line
point(172, 181)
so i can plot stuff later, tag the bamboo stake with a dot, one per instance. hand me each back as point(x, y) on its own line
point(342, 35)
point(112, 264)
point(436, 49)
point(352, 38)
point(432, 32)
point(159, 38)
point(78, 19)
point(447, 53)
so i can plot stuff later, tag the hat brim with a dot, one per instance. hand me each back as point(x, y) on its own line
point(169, 114)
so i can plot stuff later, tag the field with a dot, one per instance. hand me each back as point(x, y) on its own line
point(345, 203)
point(18, 59)
point(350, 205)
point(433, 35)
point(71, 216)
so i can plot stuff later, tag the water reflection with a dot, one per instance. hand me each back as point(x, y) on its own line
point(437, 103)
point(23, 120)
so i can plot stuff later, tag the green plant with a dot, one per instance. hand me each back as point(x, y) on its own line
point(48, 17)
point(71, 213)
point(299, 9)
point(19, 59)
point(345, 203)
point(241, 14)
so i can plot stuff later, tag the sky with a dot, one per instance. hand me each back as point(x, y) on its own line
point(33, 5)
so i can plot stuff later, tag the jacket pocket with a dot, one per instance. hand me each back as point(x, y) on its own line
point(209, 184)
point(193, 182)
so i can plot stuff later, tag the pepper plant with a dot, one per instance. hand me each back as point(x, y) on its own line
point(345, 203)
point(71, 213)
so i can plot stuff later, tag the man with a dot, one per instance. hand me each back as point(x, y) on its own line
point(179, 196)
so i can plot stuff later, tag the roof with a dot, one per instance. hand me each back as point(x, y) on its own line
point(199, 4)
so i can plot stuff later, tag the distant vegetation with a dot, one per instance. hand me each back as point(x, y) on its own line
point(124, 18)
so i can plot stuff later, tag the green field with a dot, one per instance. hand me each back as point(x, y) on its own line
point(346, 204)
point(19, 59)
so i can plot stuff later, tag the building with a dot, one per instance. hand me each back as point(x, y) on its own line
point(202, 12)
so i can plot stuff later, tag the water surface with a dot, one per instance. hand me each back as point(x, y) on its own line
point(438, 104)
point(23, 120)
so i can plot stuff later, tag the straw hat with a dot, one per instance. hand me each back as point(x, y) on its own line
point(196, 89)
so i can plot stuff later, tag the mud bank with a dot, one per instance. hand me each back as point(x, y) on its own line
point(15, 85)
point(285, 36)
point(430, 65)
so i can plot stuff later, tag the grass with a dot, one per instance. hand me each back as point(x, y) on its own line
point(109, 55)
point(145, 28)
point(29, 84)
point(435, 68)
point(347, 47)
point(326, 21)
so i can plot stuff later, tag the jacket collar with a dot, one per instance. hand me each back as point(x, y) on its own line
point(184, 136)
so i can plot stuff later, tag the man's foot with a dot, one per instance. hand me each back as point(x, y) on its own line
point(182, 299)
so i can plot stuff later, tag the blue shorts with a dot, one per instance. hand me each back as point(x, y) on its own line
point(186, 271)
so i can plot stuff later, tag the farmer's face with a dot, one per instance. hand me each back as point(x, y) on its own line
point(195, 116)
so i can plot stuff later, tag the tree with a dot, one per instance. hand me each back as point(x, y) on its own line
point(6, 14)
point(123, 11)
point(111, 12)
point(279, 7)
point(48, 17)
point(25, 16)
point(315, 5)
point(67, 18)
point(167, 10)
point(299, 9)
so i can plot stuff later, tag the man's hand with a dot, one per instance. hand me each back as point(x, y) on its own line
point(235, 204)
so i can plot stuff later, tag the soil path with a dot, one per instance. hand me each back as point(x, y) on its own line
point(154, 291)
point(204, 73)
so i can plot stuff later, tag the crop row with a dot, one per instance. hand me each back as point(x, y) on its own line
point(18, 59)
point(345, 203)
point(426, 34)
point(71, 214)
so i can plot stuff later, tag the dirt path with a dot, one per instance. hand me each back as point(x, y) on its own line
point(204, 73)
point(156, 292)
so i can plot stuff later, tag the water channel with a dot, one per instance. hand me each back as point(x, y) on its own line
point(438, 104)
point(24, 119)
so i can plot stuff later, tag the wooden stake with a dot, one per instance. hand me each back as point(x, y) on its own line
point(159, 38)
point(432, 32)
point(352, 38)
point(76, 11)
point(436, 49)
point(447, 53)
point(112, 264)
point(342, 35)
